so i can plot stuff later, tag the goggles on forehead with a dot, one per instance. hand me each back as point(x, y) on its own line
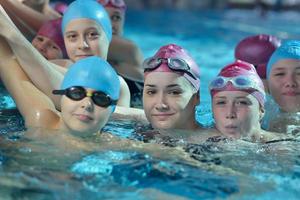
point(175, 64)
point(115, 3)
point(239, 82)
point(78, 93)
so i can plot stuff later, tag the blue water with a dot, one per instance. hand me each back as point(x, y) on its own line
point(210, 37)
point(35, 170)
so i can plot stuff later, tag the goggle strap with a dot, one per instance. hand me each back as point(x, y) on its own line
point(59, 92)
point(114, 102)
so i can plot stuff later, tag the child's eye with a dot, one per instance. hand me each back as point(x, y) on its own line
point(116, 18)
point(71, 36)
point(279, 74)
point(220, 102)
point(93, 35)
point(150, 92)
point(40, 39)
point(55, 47)
point(243, 102)
point(175, 92)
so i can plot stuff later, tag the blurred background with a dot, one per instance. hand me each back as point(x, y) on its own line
point(212, 4)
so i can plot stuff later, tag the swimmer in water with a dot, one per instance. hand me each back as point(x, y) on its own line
point(171, 89)
point(85, 34)
point(171, 94)
point(49, 40)
point(257, 50)
point(283, 76)
point(90, 90)
point(238, 99)
point(123, 54)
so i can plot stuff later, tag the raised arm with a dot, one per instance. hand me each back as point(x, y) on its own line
point(126, 58)
point(41, 72)
point(36, 108)
point(28, 15)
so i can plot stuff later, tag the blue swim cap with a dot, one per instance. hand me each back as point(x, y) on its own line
point(88, 9)
point(288, 50)
point(95, 73)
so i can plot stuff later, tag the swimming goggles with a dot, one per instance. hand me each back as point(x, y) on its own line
point(78, 93)
point(239, 82)
point(175, 64)
point(115, 3)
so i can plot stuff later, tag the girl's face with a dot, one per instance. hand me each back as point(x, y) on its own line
point(284, 84)
point(169, 101)
point(47, 47)
point(83, 116)
point(236, 113)
point(117, 19)
point(85, 37)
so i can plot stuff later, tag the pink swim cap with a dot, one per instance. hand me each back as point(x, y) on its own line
point(175, 51)
point(119, 4)
point(247, 70)
point(52, 30)
point(257, 50)
point(60, 7)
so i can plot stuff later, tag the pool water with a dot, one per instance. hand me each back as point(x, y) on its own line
point(35, 169)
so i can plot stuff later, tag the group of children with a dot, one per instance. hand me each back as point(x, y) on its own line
point(90, 89)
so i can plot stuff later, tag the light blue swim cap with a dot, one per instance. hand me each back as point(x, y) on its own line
point(290, 49)
point(88, 9)
point(95, 73)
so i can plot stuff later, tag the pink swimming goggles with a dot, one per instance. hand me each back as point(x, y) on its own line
point(113, 3)
point(175, 64)
point(239, 82)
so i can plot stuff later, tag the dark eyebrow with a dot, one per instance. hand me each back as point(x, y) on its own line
point(150, 85)
point(220, 97)
point(92, 29)
point(69, 32)
point(173, 85)
point(279, 68)
point(242, 97)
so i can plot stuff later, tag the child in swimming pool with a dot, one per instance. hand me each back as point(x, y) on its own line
point(171, 89)
point(171, 94)
point(257, 50)
point(90, 90)
point(124, 55)
point(85, 34)
point(49, 40)
point(238, 99)
point(283, 76)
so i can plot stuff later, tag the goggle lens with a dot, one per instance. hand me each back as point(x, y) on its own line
point(178, 64)
point(75, 93)
point(238, 82)
point(242, 82)
point(175, 64)
point(78, 93)
point(218, 83)
point(116, 3)
point(101, 99)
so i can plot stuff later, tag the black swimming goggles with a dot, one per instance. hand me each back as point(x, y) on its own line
point(78, 93)
point(175, 64)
